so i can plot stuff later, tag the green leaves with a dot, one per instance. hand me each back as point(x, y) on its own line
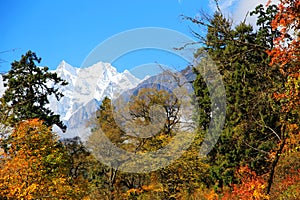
point(248, 79)
point(28, 89)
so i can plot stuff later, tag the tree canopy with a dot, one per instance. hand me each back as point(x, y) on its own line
point(257, 155)
point(28, 89)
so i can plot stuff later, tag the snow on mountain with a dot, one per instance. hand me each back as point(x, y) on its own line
point(86, 88)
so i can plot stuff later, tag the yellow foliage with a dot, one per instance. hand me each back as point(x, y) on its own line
point(34, 166)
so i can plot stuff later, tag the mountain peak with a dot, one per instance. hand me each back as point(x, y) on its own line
point(127, 72)
point(87, 84)
point(63, 63)
point(65, 67)
point(102, 66)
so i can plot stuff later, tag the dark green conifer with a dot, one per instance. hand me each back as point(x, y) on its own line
point(28, 89)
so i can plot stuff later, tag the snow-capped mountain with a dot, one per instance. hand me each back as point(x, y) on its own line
point(86, 88)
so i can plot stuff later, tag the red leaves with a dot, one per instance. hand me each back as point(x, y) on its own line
point(251, 186)
point(286, 53)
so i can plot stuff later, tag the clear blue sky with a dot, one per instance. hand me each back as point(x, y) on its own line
point(68, 29)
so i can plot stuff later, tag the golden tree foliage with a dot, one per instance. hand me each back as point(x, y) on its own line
point(185, 178)
point(34, 166)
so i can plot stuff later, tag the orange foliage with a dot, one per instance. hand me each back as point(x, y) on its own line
point(251, 186)
point(33, 166)
point(286, 53)
point(211, 195)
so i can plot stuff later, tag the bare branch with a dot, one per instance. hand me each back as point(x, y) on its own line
point(265, 126)
point(262, 151)
point(174, 76)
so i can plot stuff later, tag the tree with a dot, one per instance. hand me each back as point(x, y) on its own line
point(143, 108)
point(153, 117)
point(147, 110)
point(287, 50)
point(286, 180)
point(252, 116)
point(142, 111)
point(105, 177)
point(78, 162)
point(286, 55)
point(106, 122)
point(36, 166)
point(26, 96)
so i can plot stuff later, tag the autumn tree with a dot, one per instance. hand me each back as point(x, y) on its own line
point(140, 107)
point(153, 118)
point(28, 88)
point(143, 111)
point(286, 51)
point(104, 125)
point(252, 186)
point(186, 178)
point(285, 54)
point(35, 166)
point(157, 110)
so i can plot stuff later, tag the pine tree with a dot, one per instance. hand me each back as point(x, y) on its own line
point(26, 96)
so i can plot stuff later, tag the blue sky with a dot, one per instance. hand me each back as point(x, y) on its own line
point(68, 30)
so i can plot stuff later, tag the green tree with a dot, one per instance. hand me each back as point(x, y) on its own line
point(104, 125)
point(252, 116)
point(105, 121)
point(26, 96)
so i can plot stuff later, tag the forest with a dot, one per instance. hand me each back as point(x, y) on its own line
point(257, 155)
